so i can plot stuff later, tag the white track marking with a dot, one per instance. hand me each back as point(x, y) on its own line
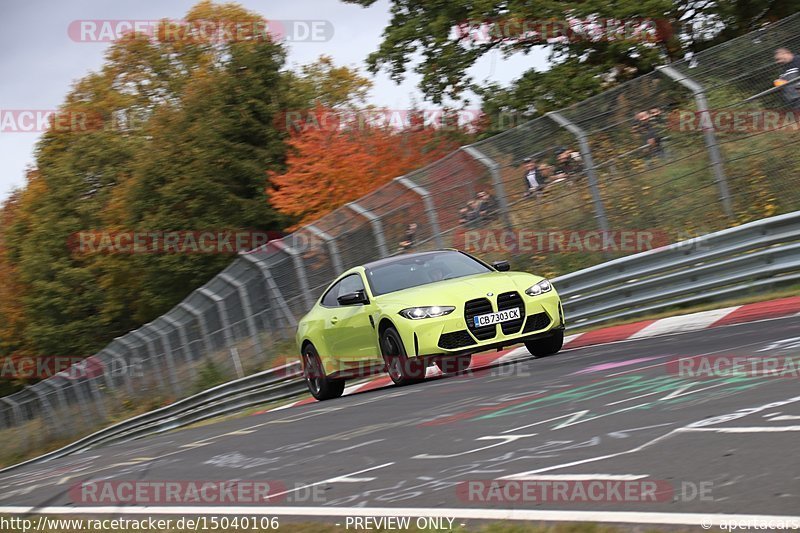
point(582, 477)
point(621, 517)
point(783, 418)
point(504, 440)
point(569, 338)
point(699, 424)
point(683, 323)
point(347, 478)
point(768, 429)
point(358, 446)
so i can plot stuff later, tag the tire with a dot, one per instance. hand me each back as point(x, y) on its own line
point(546, 346)
point(455, 364)
point(319, 385)
point(401, 369)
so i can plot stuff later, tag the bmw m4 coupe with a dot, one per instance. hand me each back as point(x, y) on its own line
point(405, 313)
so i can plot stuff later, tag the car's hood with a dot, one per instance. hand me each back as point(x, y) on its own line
point(455, 291)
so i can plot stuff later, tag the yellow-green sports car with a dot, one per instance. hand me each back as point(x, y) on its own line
point(404, 313)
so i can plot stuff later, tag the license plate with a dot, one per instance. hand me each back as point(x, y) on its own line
point(495, 318)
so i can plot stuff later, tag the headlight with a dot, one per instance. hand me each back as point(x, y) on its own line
point(540, 288)
point(416, 313)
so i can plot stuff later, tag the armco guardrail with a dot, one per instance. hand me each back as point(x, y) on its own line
point(263, 387)
point(765, 252)
point(717, 265)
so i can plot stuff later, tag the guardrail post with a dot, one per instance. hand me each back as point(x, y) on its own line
point(219, 302)
point(430, 210)
point(182, 335)
point(272, 288)
point(497, 181)
point(299, 268)
point(377, 226)
point(588, 164)
point(333, 248)
point(247, 307)
point(708, 134)
point(201, 321)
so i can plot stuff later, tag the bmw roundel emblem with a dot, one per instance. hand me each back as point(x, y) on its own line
point(489, 294)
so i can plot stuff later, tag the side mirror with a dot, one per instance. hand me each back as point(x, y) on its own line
point(501, 266)
point(353, 298)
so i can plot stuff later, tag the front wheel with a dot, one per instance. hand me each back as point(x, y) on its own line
point(401, 369)
point(546, 346)
point(319, 385)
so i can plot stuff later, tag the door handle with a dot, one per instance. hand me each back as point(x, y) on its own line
point(334, 320)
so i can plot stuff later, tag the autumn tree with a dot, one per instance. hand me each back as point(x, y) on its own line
point(335, 158)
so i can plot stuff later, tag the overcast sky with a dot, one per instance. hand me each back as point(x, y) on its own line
point(40, 60)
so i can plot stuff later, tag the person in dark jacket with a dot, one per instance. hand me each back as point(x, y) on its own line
point(790, 77)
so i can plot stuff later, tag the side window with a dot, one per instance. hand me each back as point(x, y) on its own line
point(351, 283)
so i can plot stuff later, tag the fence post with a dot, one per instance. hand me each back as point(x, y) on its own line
point(219, 302)
point(588, 164)
point(83, 402)
point(151, 349)
point(201, 321)
point(163, 334)
point(248, 312)
point(333, 248)
point(377, 226)
point(187, 354)
point(272, 289)
point(497, 181)
point(47, 411)
point(62, 399)
point(154, 364)
point(708, 134)
point(300, 270)
point(430, 210)
point(127, 375)
point(15, 410)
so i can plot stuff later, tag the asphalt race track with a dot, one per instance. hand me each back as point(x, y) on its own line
point(612, 412)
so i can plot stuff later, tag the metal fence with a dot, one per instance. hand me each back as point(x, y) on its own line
point(690, 182)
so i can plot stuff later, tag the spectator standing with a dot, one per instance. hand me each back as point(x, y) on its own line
point(534, 181)
point(790, 77)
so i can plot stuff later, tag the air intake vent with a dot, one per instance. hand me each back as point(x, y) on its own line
point(473, 308)
point(510, 300)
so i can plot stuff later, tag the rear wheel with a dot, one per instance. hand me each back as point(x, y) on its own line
point(454, 364)
point(546, 346)
point(401, 369)
point(320, 386)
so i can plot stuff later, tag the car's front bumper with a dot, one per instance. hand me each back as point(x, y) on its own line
point(451, 334)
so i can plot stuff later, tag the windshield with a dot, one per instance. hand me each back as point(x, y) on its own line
point(416, 270)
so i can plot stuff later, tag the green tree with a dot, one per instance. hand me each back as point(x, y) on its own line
point(579, 67)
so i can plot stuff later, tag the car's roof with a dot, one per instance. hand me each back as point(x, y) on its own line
point(403, 257)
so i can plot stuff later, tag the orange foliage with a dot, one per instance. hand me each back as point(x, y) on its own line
point(330, 166)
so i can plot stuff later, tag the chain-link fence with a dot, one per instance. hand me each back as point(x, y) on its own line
point(651, 154)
